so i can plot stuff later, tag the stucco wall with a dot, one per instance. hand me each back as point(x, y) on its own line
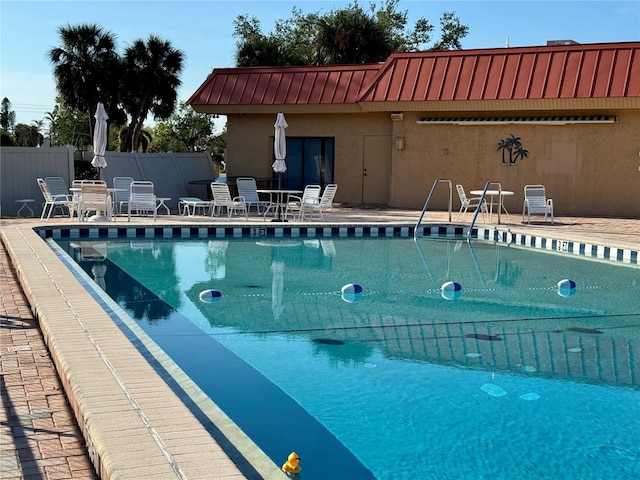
point(588, 169)
point(250, 144)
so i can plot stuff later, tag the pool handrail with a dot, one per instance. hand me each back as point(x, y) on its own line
point(428, 200)
point(484, 193)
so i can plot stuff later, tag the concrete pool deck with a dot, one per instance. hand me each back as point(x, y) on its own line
point(134, 423)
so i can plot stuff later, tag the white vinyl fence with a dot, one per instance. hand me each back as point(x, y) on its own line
point(170, 173)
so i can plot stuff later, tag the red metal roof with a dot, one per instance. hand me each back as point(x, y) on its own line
point(573, 71)
point(607, 70)
point(335, 84)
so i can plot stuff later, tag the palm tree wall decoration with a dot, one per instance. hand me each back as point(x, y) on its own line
point(512, 146)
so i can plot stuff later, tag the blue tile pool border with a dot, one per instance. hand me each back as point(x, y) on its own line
point(492, 234)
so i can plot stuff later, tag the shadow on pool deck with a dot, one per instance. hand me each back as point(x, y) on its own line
point(40, 438)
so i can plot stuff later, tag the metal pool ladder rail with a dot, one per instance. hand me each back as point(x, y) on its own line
point(426, 203)
point(484, 193)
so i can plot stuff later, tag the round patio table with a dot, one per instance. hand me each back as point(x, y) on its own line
point(498, 202)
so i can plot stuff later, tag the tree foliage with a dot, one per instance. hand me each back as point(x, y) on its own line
point(7, 116)
point(69, 126)
point(27, 135)
point(142, 81)
point(87, 70)
point(152, 76)
point(349, 35)
point(184, 131)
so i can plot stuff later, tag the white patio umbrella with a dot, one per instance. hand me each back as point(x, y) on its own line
point(100, 138)
point(280, 147)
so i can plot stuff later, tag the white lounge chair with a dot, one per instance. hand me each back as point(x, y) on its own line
point(51, 201)
point(190, 205)
point(536, 202)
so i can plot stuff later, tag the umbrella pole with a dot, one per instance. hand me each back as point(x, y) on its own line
point(279, 193)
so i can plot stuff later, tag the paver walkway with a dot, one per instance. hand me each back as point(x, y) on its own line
point(39, 436)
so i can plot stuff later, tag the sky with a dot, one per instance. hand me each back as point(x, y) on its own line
point(203, 31)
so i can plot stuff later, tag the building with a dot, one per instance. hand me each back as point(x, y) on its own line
point(385, 132)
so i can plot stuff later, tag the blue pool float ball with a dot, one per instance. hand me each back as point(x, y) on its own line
point(351, 292)
point(210, 296)
point(566, 287)
point(451, 290)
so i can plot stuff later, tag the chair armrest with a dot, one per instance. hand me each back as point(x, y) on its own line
point(239, 198)
point(295, 198)
point(62, 197)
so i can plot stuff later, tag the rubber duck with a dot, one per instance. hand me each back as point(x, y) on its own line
point(292, 466)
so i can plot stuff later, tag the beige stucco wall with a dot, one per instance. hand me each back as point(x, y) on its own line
point(588, 169)
point(250, 144)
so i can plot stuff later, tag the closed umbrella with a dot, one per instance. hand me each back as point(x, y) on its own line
point(280, 147)
point(100, 138)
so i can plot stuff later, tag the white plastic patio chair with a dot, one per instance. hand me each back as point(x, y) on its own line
point(222, 200)
point(94, 197)
point(296, 205)
point(122, 190)
point(325, 202)
point(248, 189)
point(142, 199)
point(536, 202)
point(467, 203)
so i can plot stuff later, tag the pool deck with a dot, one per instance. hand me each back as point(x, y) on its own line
point(129, 419)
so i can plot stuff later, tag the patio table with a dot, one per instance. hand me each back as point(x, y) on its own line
point(280, 202)
point(498, 202)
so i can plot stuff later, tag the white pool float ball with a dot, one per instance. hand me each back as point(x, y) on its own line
point(351, 292)
point(566, 287)
point(451, 290)
point(210, 296)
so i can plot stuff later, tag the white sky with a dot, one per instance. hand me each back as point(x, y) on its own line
point(203, 29)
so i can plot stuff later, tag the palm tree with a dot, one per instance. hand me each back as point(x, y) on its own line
point(151, 79)
point(51, 118)
point(261, 50)
point(145, 139)
point(27, 135)
point(87, 70)
point(352, 36)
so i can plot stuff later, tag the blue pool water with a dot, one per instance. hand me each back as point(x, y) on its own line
point(515, 378)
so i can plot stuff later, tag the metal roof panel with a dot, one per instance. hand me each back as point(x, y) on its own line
point(590, 71)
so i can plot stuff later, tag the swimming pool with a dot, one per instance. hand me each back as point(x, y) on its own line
point(515, 375)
